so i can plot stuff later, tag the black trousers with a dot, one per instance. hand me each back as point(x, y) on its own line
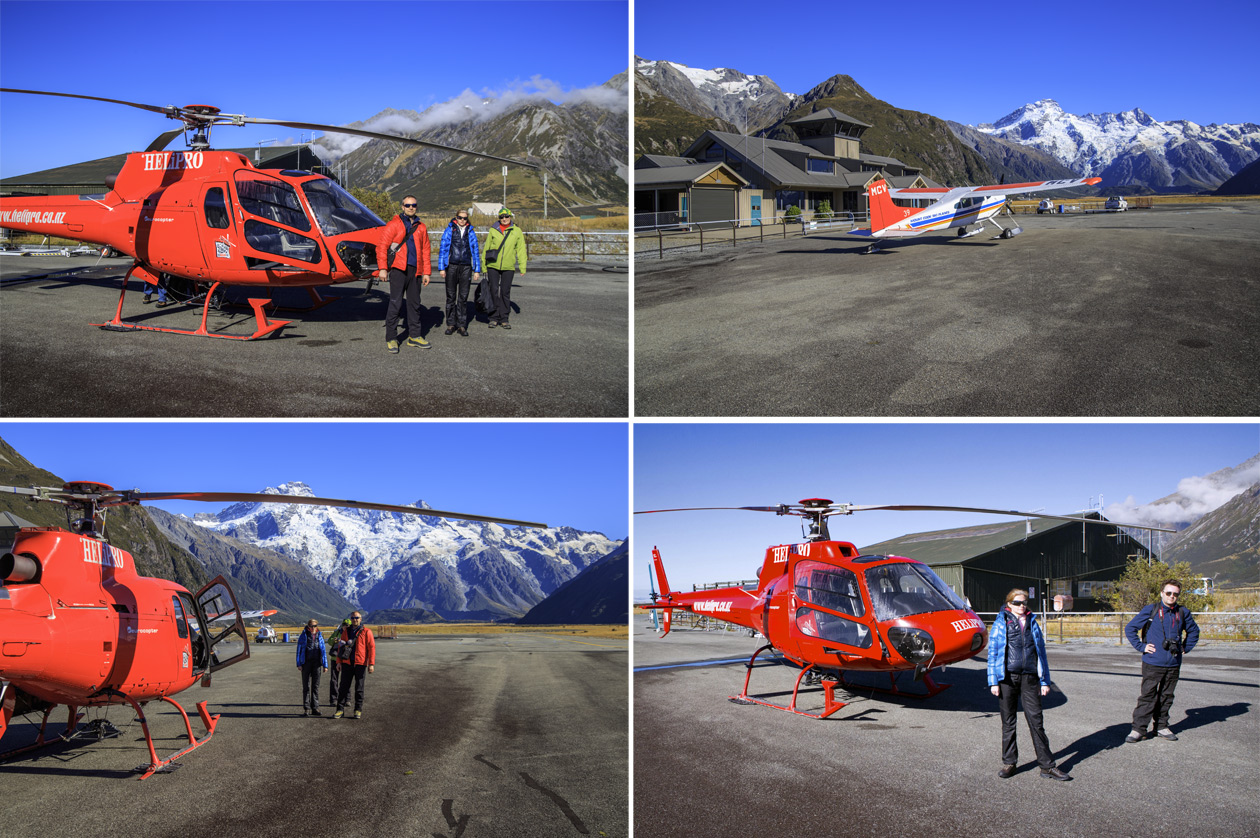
point(334, 669)
point(1026, 687)
point(358, 674)
point(310, 683)
point(501, 293)
point(458, 279)
point(403, 284)
point(1156, 699)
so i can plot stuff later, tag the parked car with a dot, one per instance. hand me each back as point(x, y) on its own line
point(1116, 204)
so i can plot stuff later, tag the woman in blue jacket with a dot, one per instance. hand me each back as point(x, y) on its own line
point(1018, 670)
point(312, 659)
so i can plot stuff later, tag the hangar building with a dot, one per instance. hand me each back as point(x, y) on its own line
point(1049, 557)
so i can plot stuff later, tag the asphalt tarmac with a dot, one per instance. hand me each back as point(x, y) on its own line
point(476, 735)
point(1145, 313)
point(567, 354)
point(887, 765)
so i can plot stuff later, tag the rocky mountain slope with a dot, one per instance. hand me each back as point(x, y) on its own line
point(598, 594)
point(1225, 543)
point(583, 144)
point(381, 560)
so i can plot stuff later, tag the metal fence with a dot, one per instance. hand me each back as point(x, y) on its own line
point(663, 238)
point(581, 244)
point(1109, 625)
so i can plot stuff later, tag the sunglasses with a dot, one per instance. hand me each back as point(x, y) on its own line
point(1020, 602)
point(1171, 594)
point(409, 206)
point(461, 218)
point(356, 618)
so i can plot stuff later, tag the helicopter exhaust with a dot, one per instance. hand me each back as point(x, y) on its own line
point(16, 569)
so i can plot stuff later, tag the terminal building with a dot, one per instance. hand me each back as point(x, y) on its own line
point(724, 177)
point(1042, 555)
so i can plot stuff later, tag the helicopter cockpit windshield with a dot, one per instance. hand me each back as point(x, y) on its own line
point(906, 588)
point(336, 210)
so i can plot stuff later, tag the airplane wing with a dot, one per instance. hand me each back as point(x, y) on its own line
point(992, 189)
point(246, 615)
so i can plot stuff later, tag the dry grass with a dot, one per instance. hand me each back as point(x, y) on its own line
point(613, 631)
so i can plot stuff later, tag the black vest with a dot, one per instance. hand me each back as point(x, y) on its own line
point(1021, 652)
point(461, 252)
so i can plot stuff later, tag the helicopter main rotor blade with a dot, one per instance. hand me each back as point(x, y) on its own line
point(377, 135)
point(778, 509)
point(166, 111)
point(928, 508)
point(253, 497)
point(163, 140)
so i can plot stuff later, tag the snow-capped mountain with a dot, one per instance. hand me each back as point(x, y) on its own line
point(385, 560)
point(1132, 148)
point(749, 103)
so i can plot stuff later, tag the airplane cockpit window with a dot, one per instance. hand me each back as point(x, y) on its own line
point(216, 209)
point(271, 199)
point(336, 210)
point(903, 589)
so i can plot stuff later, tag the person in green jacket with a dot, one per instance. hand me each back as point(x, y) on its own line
point(507, 242)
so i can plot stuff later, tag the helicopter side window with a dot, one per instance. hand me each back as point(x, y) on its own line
point(181, 622)
point(271, 199)
point(830, 587)
point(216, 209)
point(336, 210)
point(827, 626)
point(281, 242)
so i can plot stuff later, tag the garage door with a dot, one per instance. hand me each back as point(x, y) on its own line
point(712, 205)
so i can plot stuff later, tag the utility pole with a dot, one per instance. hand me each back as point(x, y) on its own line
point(504, 186)
point(544, 193)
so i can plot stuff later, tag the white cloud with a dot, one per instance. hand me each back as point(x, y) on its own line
point(1197, 497)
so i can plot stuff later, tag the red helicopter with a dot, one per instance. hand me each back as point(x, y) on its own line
point(79, 626)
point(213, 219)
point(827, 609)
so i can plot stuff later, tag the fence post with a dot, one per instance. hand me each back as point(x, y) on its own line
point(583, 235)
point(734, 226)
point(660, 244)
point(700, 227)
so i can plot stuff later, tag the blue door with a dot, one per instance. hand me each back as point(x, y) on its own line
point(756, 210)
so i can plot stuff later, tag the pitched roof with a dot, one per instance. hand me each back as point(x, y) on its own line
point(773, 159)
point(825, 114)
point(683, 173)
point(965, 544)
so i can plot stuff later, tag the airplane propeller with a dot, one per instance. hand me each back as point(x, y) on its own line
point(201, 118)
point(91, 498)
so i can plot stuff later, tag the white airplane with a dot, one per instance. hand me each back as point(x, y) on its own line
point(959, 207)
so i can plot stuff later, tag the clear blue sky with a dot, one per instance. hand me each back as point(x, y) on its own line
point(975, 63)
point(1053, 468)
point(561, 474)
point(325, 61)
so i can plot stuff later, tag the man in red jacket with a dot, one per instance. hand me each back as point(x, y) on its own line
point(356, 649)
point(403, 256)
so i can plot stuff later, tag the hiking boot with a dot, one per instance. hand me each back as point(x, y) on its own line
point(391, 346)
point(450, 330)
point(1133, 736)
point(463, 332)
point(418, 343)
point(1055, 774)
point(1007, 771)
point(505, 325)
point(338, 714)
point(358, 714)
point(1166, 733)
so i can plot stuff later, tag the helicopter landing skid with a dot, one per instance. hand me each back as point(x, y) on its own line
point(830, 705)
point(931, 686)
point(265, 327)
point(71, 723)
point(168, 764)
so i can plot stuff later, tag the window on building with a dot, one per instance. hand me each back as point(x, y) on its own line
point(821, 167)
point(785, 198)
point(714, 152)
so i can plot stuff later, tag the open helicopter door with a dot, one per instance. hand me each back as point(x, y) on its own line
point(222, 628)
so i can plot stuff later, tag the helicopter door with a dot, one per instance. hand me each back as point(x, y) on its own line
point(828, 608)
point(222, 640)
point(277, 234)
point(220, 239)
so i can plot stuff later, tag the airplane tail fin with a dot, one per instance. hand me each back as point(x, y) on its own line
point(884, 213)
